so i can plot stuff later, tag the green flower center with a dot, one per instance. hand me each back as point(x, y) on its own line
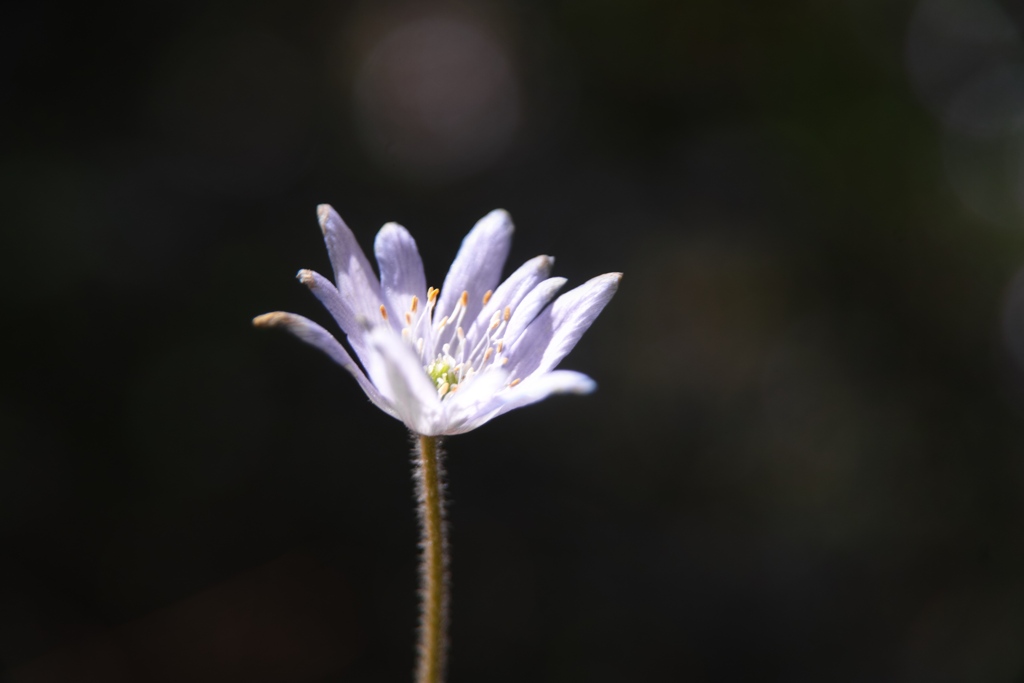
point(442, 373)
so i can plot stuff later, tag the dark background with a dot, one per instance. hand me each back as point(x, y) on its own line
point(804, 459)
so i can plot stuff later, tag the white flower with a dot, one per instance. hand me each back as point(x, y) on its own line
point(447, 361)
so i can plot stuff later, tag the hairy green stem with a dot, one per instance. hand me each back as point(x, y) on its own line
point(433, 635)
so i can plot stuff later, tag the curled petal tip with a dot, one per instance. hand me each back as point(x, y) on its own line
point(271, 319)
point(617, 277)
point(588, 386)
point(323, 214)
point(305, 276)
point(546, 261)
point(498, 219)
point(504, 216)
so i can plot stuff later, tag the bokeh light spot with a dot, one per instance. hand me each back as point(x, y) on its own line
point(436, 98)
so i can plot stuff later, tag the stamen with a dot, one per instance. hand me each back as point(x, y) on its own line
point(408, 318)
point(424, 314)
point(383, 312)
point(453, 355)
point(461, 308)
point(485, 341)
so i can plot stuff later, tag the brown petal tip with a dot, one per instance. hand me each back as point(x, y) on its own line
point(272, 319)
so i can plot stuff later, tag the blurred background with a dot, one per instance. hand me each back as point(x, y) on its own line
point(805, 458)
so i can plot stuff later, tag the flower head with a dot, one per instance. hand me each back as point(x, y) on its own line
point(445, 361)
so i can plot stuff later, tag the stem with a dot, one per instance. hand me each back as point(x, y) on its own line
point(433, 638)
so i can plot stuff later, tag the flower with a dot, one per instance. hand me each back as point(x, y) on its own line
point(447, 361)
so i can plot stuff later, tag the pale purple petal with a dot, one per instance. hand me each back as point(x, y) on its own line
point(510, 292)
point(339, 309)
point(400, 376)
point(530, 307)
point(401, 271)
point(472, 397)
point(311, 333)
point(352, 272)
point(477, 266)
point(325, 291)
point(554, 332)
point(531, 390)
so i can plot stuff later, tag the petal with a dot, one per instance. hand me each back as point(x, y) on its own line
point(477, 266)
point(554, 332)
point(338, 307)
point(473, 398)
point(530, 307)
point(396, 370)
point(531, 390)
point(311, 333)
point(510, 292)
point(401, 271)
point(352, 272)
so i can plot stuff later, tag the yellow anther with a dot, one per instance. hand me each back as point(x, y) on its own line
point(461, 333)
point(432, 294)
point(408, 318)
point(508, 313)
point(464, 299)
point(443, 389)
point(488, 353)
point(383, 312)
point(487, 296)
point(415, 304)
point(514, 382)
